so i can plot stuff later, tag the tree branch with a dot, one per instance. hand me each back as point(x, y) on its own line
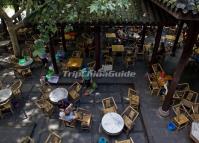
point(19, 25)
point(18, 13)
point(4, 15)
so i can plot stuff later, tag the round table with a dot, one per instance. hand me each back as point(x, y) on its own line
point(58, 94)
point(194, 134)
point(5, 94)
point(112, 123)
point(4, 43)
point(27, 63)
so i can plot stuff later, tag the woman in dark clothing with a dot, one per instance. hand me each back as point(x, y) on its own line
point(62, 104)
point(161, 53)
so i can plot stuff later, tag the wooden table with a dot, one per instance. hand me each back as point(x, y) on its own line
point(112, 123)
point(194, 134)
point(5, 94)
point(58, 94)
point(170, 37)
point(110, 35)
point(74, 63)
point(117, 48)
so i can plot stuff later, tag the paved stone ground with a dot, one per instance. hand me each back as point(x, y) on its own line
point(149, 127)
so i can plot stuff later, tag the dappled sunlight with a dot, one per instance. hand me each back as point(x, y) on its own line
point(34, 98)
point(10, 73)
point(53, 126)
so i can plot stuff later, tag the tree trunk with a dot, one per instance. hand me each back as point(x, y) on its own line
point(14, 40)
point(178, 32)
point(4, 26)
point(12, 33)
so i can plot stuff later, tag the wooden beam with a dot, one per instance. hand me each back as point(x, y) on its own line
point(157, 44)
point(179, 30)
point(187, 52)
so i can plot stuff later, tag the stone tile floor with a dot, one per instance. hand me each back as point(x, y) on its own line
point(149, 127)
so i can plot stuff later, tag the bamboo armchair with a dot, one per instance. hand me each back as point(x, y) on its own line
point(180, 91)
point(181, 119)
point(85, 117)
point(6, 106)
point(24, 72)
point(105, 53)
point(195, 112)
point(53, 138)
point(157, 68)
point(134, 99)
point(129, 60)
point(45, 106)
point(190, 98)
point(108, 60)
point(153, 84)
point(125, 141)
point(16, 87)
point(27, 139)
point(109, 105)
point(71, 124)
point(73, 91)
point(129, 115)
point(154, 88)
point(45, 88)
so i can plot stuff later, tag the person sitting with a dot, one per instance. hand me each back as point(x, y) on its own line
point(63, 104)
point(86, 76)
point(121, 34)
point(68, 114)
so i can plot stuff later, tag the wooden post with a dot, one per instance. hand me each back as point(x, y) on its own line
point(157, 43)
point(187, 51)
point(63, 38)
point(180, 26)
point(52, 54)
point(142, 38)
point(97, 46)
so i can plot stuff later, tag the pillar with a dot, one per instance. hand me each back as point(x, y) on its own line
point(63, 38)
point(157, 43)
point(142, 38)
point(180, 26)
point(52, 54)
point(187, 52)
point(97, 46)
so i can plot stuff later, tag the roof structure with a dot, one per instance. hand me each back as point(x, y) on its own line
point(180, 9)
point(139, 12)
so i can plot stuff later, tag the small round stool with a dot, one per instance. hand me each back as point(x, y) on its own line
point(102, 140)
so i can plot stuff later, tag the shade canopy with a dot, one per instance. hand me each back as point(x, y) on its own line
point(139, 12)
point(180, 9)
